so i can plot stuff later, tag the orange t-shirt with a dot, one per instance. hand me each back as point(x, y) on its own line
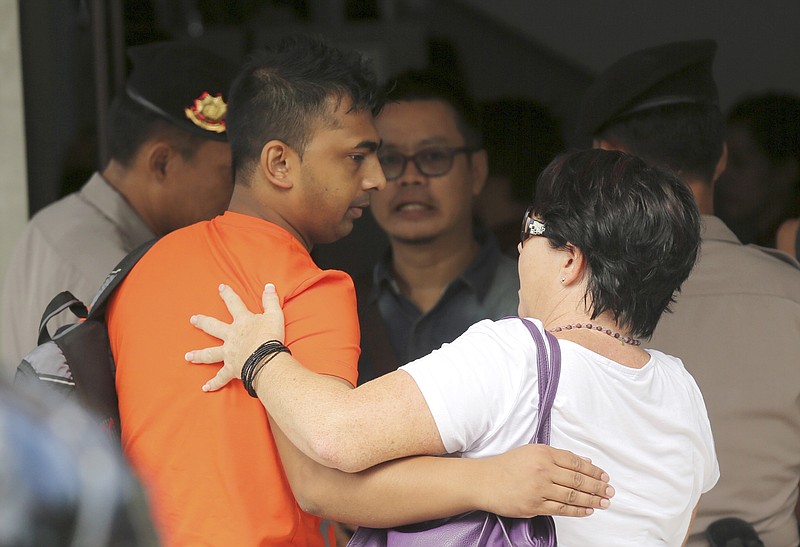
point(208, 460)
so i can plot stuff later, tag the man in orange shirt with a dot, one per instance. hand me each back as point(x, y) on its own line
point(218, 472)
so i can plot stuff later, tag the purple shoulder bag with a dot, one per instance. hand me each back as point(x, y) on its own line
point(479, 528)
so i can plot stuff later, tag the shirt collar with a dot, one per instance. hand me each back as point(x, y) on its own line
point(113, 205)
point(477, 276)
point(712, 227)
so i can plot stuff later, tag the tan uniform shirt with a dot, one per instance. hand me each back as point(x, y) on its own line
point(71, 244)
point(736, 326)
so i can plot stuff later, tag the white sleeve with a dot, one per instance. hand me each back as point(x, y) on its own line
point(474, 384)
point(711, 467)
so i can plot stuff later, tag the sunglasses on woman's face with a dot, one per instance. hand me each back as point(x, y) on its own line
point(531, 226)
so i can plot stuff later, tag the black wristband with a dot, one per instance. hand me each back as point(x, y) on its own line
point(253, 365)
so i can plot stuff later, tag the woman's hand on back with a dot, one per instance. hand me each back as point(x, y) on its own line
point(537, 479)
point(241, 337)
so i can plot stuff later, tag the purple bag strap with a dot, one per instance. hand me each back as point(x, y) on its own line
point(548, 361)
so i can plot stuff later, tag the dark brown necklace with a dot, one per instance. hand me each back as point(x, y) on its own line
point(621, 337)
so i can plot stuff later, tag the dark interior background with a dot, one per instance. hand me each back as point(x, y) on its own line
point(73, 56)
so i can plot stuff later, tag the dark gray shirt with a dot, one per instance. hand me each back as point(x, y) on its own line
point(486, 289)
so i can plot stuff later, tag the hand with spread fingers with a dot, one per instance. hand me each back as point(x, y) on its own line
point(239, 338)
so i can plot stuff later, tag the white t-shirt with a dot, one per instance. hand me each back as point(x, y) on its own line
point(647, 427)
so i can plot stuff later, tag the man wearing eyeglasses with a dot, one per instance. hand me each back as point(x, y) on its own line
point(441, 273)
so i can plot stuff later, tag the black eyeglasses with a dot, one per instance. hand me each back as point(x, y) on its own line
point(431, 162)
point(531, 226)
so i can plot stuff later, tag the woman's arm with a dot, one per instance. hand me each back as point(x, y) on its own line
point(689, 529)
point(530, 480)
point(345, 428)
point(320, 413)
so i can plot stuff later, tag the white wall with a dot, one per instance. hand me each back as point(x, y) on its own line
point(759, 42)
point(13, 176)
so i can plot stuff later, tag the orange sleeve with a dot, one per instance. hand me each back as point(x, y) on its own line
point(322, 330)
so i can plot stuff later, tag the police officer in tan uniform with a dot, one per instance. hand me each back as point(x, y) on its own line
point(170, 166)
point(736, 322)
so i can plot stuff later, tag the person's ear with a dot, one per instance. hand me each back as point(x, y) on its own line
point(479, 166)
point(158, 157)
point(278, 163)
point(573, 265)
point(722, 163)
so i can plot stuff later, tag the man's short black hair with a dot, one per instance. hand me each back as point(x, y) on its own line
point(130, 125)
point(686, 138)
point(284, 91)
point(430, 84)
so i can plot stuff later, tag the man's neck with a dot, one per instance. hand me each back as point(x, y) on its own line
point(133, 187)
point(250, 199)
point(703, 190)
point(423, 271)
point(703, 194)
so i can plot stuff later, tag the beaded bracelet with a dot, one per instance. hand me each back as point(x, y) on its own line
point(253, 365)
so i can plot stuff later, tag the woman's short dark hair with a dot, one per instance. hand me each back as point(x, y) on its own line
point(282, 92)
point(638, 227)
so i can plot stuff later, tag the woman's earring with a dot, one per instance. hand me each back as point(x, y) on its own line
point(563, 279)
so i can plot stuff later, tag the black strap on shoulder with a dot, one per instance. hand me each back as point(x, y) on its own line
point(97, 308)
point(62, 301)
point(88, 352)
point(66, 300)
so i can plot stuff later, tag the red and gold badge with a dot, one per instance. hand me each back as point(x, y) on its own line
point(208, 112)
